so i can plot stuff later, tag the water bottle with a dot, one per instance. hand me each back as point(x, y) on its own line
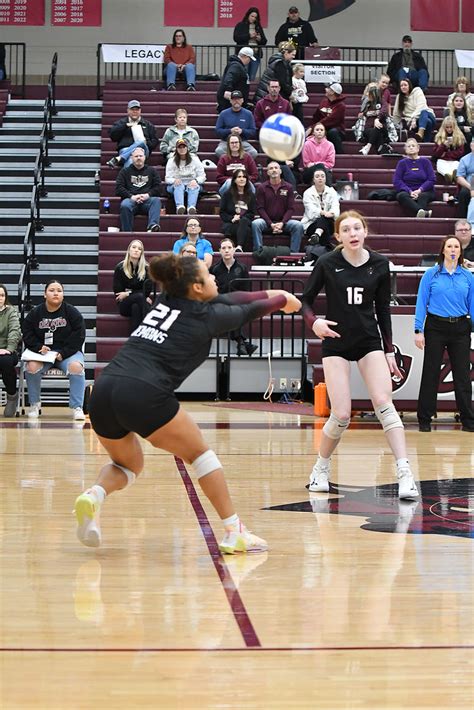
point(97, 177)
point(107, 206)
point(349, 177)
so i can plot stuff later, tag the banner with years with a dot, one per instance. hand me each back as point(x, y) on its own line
point(321, 74)
point(134, 53)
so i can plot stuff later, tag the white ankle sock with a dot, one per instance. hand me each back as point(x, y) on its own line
point(232, 521)
point(402, 463)
point(99, 492)
point(324, 461)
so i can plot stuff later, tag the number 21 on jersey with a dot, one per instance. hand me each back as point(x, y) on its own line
point(162, 313)
point(354, 295)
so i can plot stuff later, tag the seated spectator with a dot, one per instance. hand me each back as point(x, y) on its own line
point(461, 86)
point(408, 64)
point(235, 78)
point(10, 337)
point(318, 152)
point(3, 68)
point(463, 230)
point(412, 112)
point(384, 91)
point(249, 33)
point(321, 207)
point(238, 208)
point(227, 273)
point(449, 149)
point(279, 68)
point(184, 177)
point(234, 159)
point(331, 112)
point(179, 130)
point(414, 181)
point(275, 205)
point(188, 249)
point(192, 235)
point(139, 187)
point(55, 326)
point(130, 276)
point(296, 31)
point(299, 96)
point(460, 111)
point(132, 132)
point(373, 122)
point(236, 121)
point(270, 104)
point(180, 57)
point(465, 181)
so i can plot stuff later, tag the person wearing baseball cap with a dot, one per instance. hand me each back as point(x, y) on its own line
point(297, 31)
point(235, 78)
point(331, 112)
point(408, 64)
point(130, 132)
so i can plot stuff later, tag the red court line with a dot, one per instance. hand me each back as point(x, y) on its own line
point(272, 649)
point(235, 600)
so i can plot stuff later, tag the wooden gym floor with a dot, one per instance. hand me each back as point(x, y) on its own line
point(361, 602)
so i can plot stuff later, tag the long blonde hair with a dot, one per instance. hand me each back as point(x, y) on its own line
point(442, 135)
point(142, 263)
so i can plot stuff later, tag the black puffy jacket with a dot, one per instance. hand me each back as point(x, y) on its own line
point(235, 78)
point(277, 68)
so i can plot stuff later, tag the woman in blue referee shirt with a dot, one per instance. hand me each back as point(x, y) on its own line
point(443, 319)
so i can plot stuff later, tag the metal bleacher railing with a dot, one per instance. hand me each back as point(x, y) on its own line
point(212, 59)
point(15, 65)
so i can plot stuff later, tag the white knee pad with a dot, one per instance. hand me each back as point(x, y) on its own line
point(388, 417)
point(335, 427)
point(131, 477)
point(205, 463)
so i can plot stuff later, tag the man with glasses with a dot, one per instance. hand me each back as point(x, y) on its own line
point(236, 121)
point(463, 231)
point(297, 31)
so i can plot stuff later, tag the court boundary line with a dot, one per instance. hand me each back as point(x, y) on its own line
point(233, 649)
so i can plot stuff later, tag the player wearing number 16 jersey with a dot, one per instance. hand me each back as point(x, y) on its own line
point(357, 285)
point(135, 393)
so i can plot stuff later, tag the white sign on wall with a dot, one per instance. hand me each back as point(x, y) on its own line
point(322, 74)
point(134, 53)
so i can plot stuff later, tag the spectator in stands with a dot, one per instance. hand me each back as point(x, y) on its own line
point(184, 177)
point(297, 31)
point(331, 112)
point(270, 104)
point(321, 207)
point(460, 111)
point(237, 121)
point(275, 205)
point(132, 285)
point(188, 249)
point(3, 68)
point(132, 132)
point(465, 181)
point(412, 112)
point(249, 33)
point(10, 336)
point(408, 64)
point(139, 187)
point(55, 326)
point(227, 273)
point(299, 95)
point(463, 230)
point(383, 86)
point(192, 235)
point(179, 130)
point(449, 149)
point(461, 86)
point(238, 209)
point(180, 57)
point(318, 152)
point(235, 78)
point(279, 68)
point(414, 181)
point(373, 122)
point(235, 158)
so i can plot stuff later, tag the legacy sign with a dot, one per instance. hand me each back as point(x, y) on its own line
point(135, 53)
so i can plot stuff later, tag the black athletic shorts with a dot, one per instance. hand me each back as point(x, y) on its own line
point(355, 353)
point(119, 405)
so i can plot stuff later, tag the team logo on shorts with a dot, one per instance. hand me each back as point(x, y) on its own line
point(404, 363)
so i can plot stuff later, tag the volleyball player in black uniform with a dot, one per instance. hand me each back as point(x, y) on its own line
point(135, 393)
point(357, 284)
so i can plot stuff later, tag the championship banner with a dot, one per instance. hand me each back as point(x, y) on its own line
point(230, 12)
point(21, 12)
point(74, 13)
point(189, 14)
point(134, 53)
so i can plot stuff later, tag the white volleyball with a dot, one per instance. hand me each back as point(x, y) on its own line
point(282, 136)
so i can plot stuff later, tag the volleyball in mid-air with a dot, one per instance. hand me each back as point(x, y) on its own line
point(282, 136)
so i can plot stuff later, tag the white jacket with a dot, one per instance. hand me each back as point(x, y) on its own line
point(415, 103)
point(314, 203)
point(192, 171)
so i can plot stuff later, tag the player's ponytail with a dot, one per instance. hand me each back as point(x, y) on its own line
point(174, 274)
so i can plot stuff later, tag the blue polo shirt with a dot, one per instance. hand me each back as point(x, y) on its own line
point(203, 246)
point(444, 294)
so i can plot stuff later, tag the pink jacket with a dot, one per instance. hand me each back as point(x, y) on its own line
point(323, 152)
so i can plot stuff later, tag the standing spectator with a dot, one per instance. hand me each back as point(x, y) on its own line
point(179, 130)
point(408, 64)
point(139, 187)
point(465, 181)
point(132, 132)
point(463, 231)
point(414, 181)
point(371, 125)
point(449, 149)
point(236, 121)
point(227, 273)
point(180, 57)
point(443, 321)
point(275, 205)
point(184, 176)
point(192, 235)
point(461, 86)
point(318, 152)
point(299, 96)
point(58, 327)
point(235, 78)
point(130, 277)
point(270, 104)
point(235, 158)
point(297, 31)
point(279, 68)
point(331, 112)
point(238, 208)
point(321, 207)
point(459, 109)
point(412, 111)
point(10, 336)
point(250, 33)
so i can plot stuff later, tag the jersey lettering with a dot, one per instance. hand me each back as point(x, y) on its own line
point(161, 313)
point(354, 295)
